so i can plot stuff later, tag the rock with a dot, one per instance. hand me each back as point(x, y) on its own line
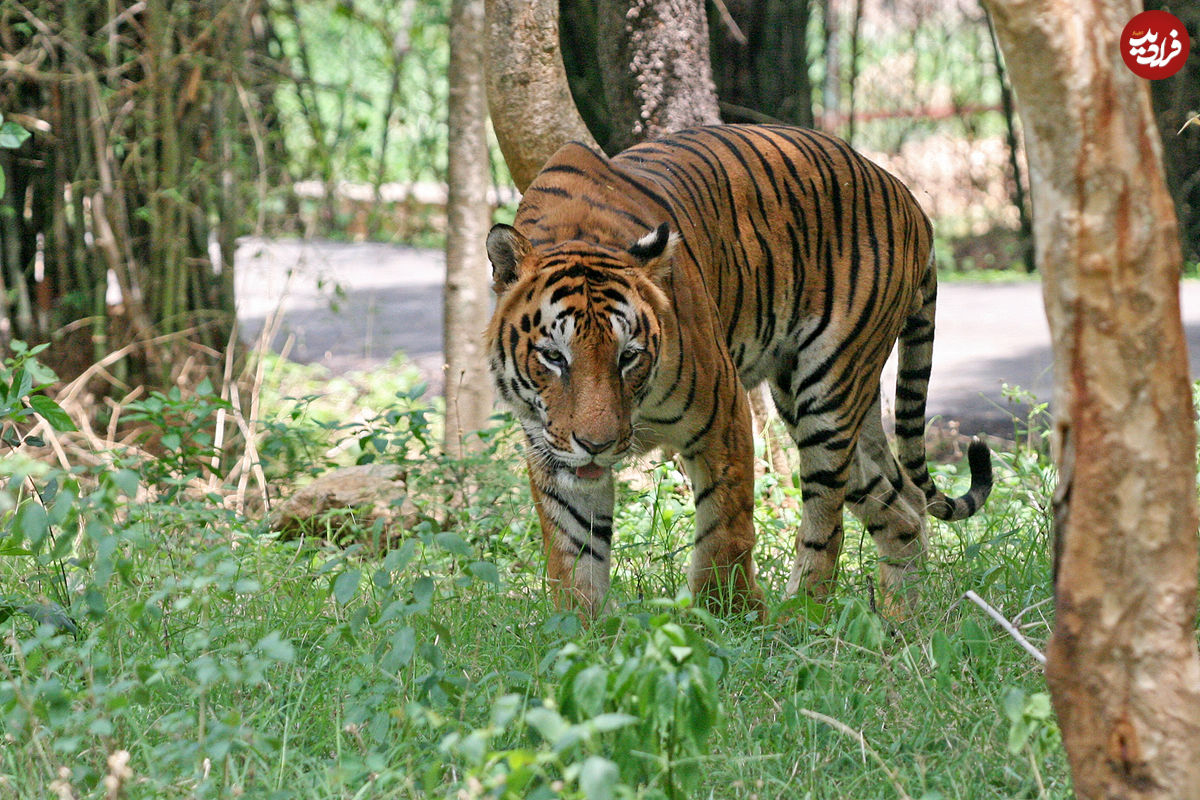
point(344, 505)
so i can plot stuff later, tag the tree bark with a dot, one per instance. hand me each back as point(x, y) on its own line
point(526, 81)
point(654, 61)
point(467, 295)
point(1122, 663)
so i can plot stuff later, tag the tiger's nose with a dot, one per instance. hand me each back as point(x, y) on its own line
point(594, 447)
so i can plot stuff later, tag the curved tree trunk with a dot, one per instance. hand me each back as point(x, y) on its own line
point(1122, 664)
point(526, 81)
point(467, 296)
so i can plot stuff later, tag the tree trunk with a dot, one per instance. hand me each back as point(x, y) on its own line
point(654, 61)
point(1176, 99)
point(1122, 666)
point(760, 61)
point(831, 95)
point(467, 295)
point(526, 81)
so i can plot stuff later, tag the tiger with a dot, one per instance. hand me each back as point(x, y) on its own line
point(639, 297)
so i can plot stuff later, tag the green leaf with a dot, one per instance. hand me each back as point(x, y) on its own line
point(611, 722)
point(403, 645)
point(943, 651)
point(12, 135)
point(346, 585)
point(276, 647)
point(126, 480)
point(598, 778)
point(399, 559)
point(1013, 703)
point(22, 384)
point(422, 592)
point(505, 710)
point(680, 654)
point(1038, 706)
point(32, 522)
point(49, 613)
point(452, 543)
point(485, 571)
point(52, 412)
point(588, 691)
point(546, 721)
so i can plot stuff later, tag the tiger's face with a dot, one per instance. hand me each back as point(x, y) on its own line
point(575, 343)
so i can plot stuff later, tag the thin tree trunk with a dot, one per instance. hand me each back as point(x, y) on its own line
point(467, 295)
point(831, 98)
point(1122, 664)
point(855, 27)
point(1014, 160)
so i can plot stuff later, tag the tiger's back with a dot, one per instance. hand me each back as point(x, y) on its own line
point(783, 256)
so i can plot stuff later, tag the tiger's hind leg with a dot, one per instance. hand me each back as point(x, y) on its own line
point(827, 439)
point(892, 508)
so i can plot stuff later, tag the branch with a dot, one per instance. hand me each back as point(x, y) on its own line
point(1008, 626)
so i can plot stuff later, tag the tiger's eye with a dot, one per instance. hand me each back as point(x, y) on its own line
point(553, 357)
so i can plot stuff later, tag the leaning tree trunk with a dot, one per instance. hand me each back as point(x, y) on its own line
point(1122, 663)
point(467, 297)
point(526, 81)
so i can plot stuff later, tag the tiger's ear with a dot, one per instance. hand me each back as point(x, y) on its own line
point(506, 247)
point(656, 249)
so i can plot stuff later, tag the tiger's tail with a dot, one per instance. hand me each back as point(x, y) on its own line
point(912, 384)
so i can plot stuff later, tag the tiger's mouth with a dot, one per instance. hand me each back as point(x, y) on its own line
point(591, 471)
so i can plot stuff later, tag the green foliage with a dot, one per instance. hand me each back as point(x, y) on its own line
point(346, 71)
point(179, 649)
point(629, 720)
point(179, 430)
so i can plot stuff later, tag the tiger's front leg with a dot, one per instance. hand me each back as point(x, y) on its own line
point(576, 517)
point(720, 466)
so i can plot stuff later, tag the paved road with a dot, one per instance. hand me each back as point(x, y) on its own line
point(352, 306)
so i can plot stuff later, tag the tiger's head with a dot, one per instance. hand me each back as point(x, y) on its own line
point(575, 341)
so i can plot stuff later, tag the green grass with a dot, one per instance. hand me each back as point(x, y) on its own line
point(229, 663)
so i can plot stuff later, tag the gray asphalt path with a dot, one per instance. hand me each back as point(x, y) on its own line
point(353, 306)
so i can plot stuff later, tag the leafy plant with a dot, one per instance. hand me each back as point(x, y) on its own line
point(632, 721)
point(181, 431)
